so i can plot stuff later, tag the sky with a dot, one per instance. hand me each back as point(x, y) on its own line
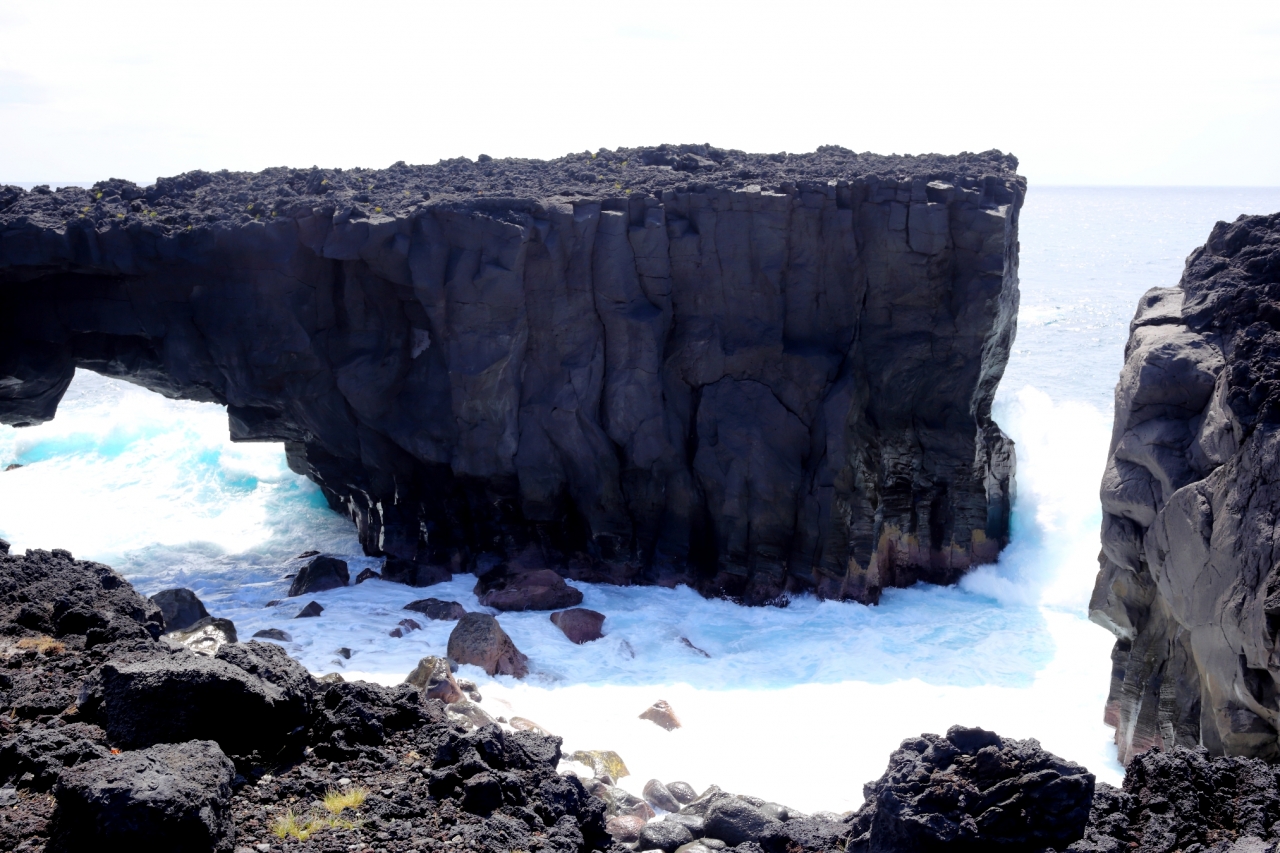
point(1084, 93)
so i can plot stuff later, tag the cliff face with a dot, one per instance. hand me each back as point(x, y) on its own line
point(1190, 572)
point(751, 373)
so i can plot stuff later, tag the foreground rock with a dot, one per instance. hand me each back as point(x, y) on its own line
point(479, 359)
point(580, 625)
point(541, 589)
point(141, 699)
point(973, 790)
point(181, 608)
point(172, 797)
point(479, 639)
point(119, 785)
point(319, 574)
point(1189, 583)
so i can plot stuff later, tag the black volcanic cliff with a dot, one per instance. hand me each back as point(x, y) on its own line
point(1190, 576)
point(751, 373)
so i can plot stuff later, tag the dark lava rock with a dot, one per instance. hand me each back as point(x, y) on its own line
point(580, 625)
point(503, 588)
point(181, 608)
point(44, 752)
point(273, 634)
point(665, 835)
point(657, 795)
point(434, 608)
point(412, 573)
point(169, 698)
point(973, 790)
point(171, 797)
point(683, 792)
point(49, 592)
point(367, 575)
point(1185, 799)
point(723, 305)
point(318, 575)
point(479, 639)
point(735, 821)
point(356, 717)
point(312, 610)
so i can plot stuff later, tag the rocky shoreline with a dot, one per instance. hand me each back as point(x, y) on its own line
point(112, 732)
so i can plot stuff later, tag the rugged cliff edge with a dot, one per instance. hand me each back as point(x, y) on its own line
point(1190, 580)
point(755, 374)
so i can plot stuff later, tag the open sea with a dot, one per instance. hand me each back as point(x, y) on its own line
point(799, 705)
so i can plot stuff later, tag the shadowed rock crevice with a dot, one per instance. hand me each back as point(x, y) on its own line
point(754, 374)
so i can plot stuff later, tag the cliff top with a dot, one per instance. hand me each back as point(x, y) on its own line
point(195, 197)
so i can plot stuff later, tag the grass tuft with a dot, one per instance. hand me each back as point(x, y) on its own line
point(43, 645)
point(293, 826)
point(352, 798)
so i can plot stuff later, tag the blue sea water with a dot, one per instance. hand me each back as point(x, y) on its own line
point(154, 488)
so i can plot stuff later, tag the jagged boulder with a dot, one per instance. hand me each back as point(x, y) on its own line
point(180, 696)
point(479, 639)
point(171, 797)
point(181, 608)
point(973, 790)
point(434, 678)
point(434, 608)
point(318, 574)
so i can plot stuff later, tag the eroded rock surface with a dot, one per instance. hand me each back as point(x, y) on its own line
point(1189, 581)
point(754, 374)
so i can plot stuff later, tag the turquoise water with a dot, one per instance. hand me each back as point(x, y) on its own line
point(154, 488)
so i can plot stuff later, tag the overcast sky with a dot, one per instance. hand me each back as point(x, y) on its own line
point(1117, 92)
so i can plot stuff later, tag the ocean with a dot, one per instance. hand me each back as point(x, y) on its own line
point(800, 705)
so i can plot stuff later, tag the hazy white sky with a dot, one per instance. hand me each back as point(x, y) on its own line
point(1083, 92)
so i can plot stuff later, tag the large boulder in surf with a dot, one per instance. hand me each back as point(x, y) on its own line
point(318, 574)
point(504, 588)
point(972, 790)
point(170, 697)
point(1189, 582)
point(172, 797)
point(479, 639)
point(579, 624)
point(181, 608)
point(756, 374)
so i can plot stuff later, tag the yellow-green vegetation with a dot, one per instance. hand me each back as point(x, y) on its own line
point(377, 210)
point(352, 798)
point(617, 185)
point(340, 808)
point(99, 195)
point(43, 645)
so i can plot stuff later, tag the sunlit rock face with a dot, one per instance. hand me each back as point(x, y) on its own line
point(754, 374)
point(1190, 576)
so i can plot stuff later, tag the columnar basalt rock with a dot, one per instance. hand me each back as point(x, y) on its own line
point(755, 374)
point(1189, 581)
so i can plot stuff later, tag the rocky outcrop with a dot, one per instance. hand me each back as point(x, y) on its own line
point(1189, 579)
point(751, 373)
point(171, 796)
point(973, 790)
